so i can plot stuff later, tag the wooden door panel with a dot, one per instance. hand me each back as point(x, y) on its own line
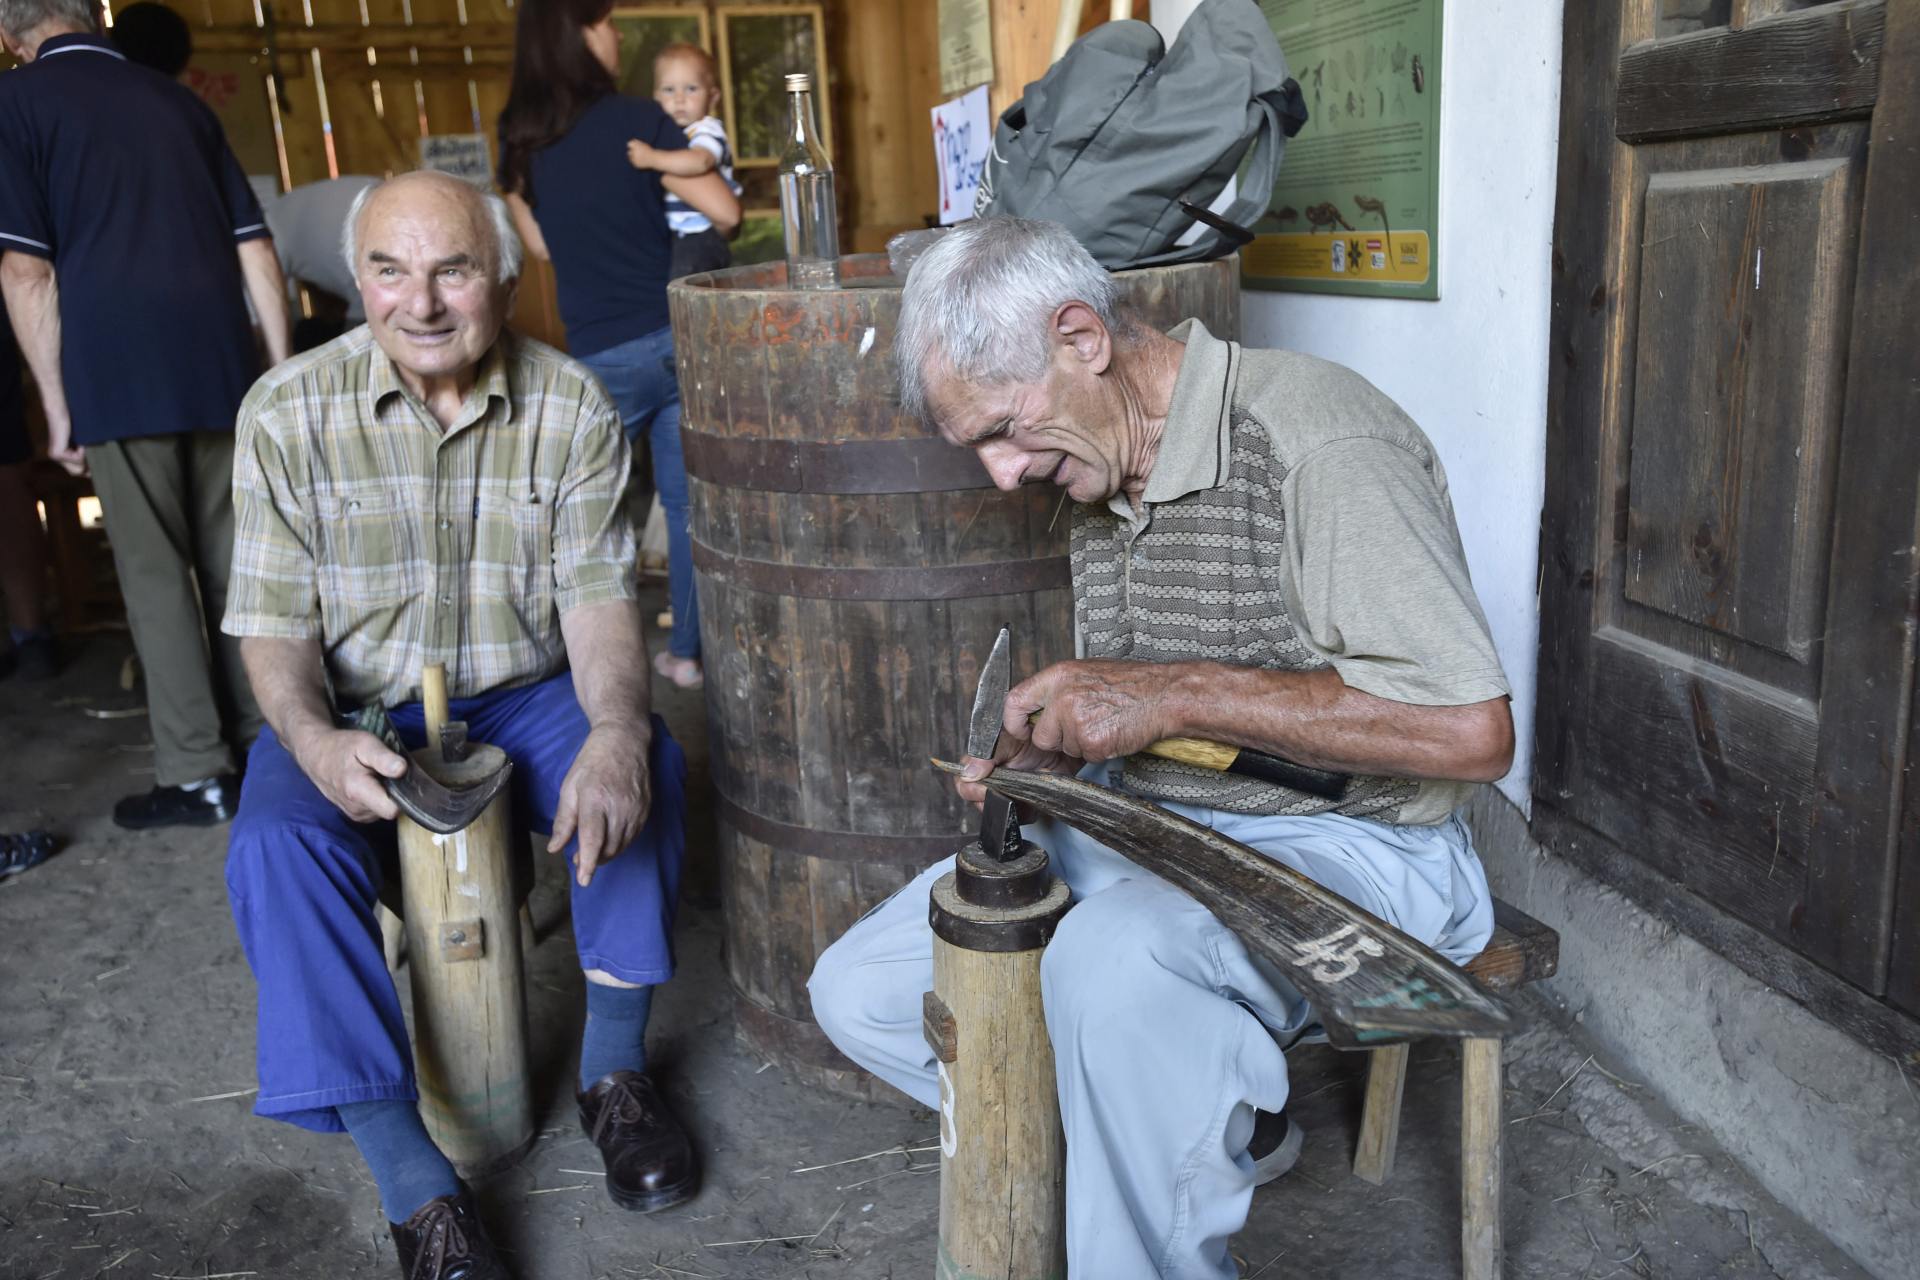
point(1796, 68)
point(1728, 553)
point(1719, 442)
point(1734, 418)
point(1702, 774)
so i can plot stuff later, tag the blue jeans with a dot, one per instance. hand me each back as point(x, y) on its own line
point(639, 376)
point(303, 880)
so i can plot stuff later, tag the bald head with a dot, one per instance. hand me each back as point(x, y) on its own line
point(446, 196)
point(437, 263)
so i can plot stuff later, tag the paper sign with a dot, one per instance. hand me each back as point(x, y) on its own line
point(966, 45)
point(961, 138)
point(464, 155)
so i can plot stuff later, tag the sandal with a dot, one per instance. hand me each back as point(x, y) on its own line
point(684, 672)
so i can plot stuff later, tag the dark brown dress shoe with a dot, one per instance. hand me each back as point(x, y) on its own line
point(649, 1158)
point(445, 1241)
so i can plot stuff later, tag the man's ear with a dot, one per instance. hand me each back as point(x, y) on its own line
point(1078, 327)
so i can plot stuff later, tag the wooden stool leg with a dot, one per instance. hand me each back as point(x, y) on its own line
point(1480, 1241)
point(1380, 1118)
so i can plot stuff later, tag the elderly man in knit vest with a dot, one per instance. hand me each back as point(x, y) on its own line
point(1264, 554)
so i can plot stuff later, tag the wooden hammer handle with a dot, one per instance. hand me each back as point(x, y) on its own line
point(1245, 761)
point(1249, 763)
point(433, 699)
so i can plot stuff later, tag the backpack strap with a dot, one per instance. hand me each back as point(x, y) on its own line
point(1283, 112)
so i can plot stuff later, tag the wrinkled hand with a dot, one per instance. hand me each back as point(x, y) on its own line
point(61, 449)
point(1074, 712)
point(605, 796)
point(1093, 709)
point(1009, 754)
point(1071, 713)
point(348, 765)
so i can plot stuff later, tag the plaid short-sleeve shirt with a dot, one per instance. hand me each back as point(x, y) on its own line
point(360, 523)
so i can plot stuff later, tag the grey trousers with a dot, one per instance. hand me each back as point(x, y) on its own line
point(1165, 1029)
point(168, 502)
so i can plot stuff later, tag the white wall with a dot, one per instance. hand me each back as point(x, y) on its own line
point(1472, 367)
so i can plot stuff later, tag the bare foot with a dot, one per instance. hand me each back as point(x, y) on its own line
point(684, 672)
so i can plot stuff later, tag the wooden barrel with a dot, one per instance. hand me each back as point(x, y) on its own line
point(853, 570)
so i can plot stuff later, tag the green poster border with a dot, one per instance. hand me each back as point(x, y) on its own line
point(1430, 290)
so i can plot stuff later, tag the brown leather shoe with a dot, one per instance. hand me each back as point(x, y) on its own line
point(649, 1158)
point(444, 1240)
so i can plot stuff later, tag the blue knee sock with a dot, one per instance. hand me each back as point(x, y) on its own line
point(616, 1033)
point(403, 1159)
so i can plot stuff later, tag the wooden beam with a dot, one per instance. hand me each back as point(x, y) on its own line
point(1804, 68)
point(1023, 33)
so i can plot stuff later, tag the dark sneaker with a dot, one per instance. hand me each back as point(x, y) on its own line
point(445, 1241)
point(649, 1158)
point(209, 806)
point(23, 852)
point(1275, 1146)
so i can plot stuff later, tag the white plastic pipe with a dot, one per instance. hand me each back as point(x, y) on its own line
point(1069, 25)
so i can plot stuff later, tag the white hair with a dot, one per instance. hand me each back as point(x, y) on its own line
point(982, 300)
point(20, 18)
point(507, 250)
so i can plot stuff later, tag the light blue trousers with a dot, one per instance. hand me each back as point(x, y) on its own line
point(1163, 1025)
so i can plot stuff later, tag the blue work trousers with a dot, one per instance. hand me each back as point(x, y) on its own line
point(640, 377)
point(304, 881)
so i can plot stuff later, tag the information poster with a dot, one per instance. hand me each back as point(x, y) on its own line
point(966, 46)
point(1356, 208)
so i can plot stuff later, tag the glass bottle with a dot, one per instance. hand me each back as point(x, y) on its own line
point(807, 209)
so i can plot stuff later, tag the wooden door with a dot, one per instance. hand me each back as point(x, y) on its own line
point(1728, 547)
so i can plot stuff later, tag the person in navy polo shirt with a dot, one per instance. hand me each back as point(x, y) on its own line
point(23, 547)
point(127, 234)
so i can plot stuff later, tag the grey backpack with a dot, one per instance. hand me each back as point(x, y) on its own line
point(1127, 142)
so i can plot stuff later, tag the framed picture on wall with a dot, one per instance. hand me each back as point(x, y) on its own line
point(647, 29)
point(759, 46)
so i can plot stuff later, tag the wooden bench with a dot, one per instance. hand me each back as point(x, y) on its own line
point(1522, 950)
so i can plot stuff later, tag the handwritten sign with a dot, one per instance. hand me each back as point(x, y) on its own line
point(464, 155)
point(962, 135)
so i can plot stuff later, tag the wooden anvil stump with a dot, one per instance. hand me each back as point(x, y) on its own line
point(464, 954)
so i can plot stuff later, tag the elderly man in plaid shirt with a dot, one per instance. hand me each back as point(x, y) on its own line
point(432, 488)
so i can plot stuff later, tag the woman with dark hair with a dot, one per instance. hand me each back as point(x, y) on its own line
point(602, 223)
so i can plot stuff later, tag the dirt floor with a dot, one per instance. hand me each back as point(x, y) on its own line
point(126, 1070)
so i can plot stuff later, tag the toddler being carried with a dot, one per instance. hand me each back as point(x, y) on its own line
point(683, 84)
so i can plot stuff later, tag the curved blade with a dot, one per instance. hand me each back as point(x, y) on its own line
point(990, 699)
point(441, 809)
point(1370, 983)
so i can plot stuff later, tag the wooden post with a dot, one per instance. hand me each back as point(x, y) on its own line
point(1002, 1154)
point(463, 952)
point(1480, 1242)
